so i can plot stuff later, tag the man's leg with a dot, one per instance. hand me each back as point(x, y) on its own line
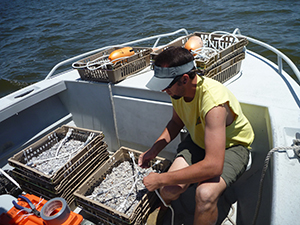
point(171, 193)
point(188, 153)
point(168, 194)
point(207, 196)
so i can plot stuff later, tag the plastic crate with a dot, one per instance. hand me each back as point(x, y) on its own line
point(97, 150)
point(20, 159)
point(141, 218)
point(68, 185)
point(224, 44)
point(113, 72)
point(215, 63)
point(88, 165)
point(105, 212)
point(67, 193)
point(226, 70)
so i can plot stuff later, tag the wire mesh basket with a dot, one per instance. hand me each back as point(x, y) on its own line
point(105, 212)
point(217, 49)
point(68, 176)
point(99, 68)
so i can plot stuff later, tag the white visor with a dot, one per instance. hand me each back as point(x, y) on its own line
point(163, 76)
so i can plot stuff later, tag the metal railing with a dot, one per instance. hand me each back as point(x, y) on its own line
point(280, 55)
point(157, 37)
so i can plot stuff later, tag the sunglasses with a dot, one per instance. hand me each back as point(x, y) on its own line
point(177, 78)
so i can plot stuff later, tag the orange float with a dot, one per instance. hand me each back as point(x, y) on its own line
point(120, 53)
point(194, 42)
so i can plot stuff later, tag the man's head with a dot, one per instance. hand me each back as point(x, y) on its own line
point(169, 67)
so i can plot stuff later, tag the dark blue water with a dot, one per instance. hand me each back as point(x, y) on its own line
point(36, 35)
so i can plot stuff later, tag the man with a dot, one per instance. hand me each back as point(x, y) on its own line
point(216, 152)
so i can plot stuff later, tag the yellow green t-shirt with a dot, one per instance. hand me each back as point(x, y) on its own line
point(211, 93)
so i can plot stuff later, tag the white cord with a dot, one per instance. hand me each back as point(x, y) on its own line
point(224, 34)
point(48, 159)
point(205, 52)
point(103, 65)
point(82, 65)
point(133, 159)
point(41, 200)
point(118, 184)
point(122, 205)
point(90, 137)
point(69, 133)
point(10, 178)
point(112, 187)
point(169, 206)
point(24, 216)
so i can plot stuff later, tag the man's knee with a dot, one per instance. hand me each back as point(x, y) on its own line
point(210, 191)
point(205, 198)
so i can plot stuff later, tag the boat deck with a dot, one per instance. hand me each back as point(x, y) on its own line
point(266, 108)
point(273, 111)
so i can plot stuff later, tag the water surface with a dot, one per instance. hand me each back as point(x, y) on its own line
point(36, 35)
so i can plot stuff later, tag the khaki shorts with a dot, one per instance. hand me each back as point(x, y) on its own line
point(235, 163)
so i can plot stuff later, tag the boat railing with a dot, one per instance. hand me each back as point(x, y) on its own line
point(280, 55)
point(236, 32)
point(157, 37)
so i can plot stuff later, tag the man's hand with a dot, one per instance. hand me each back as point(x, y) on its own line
point(151, 181)
point(145, 158)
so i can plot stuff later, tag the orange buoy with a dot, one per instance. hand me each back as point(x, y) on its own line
point(194, 43)
point(120, 53)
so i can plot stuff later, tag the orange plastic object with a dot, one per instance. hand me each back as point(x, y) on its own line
point(17, 217)
point(194, 42)
point(122, 52)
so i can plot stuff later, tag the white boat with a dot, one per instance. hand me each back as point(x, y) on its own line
point(131, 115)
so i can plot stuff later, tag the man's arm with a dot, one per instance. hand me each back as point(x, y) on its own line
point(170, 132)
point(210, 167)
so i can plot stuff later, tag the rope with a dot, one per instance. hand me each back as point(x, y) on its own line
point(63, 141)
point(68, 135)
point(209, 48)
point(138, 176)
point(296, 148)
point(10, 178)
point(219, 42)
point(112, 187)
point(169, 206)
